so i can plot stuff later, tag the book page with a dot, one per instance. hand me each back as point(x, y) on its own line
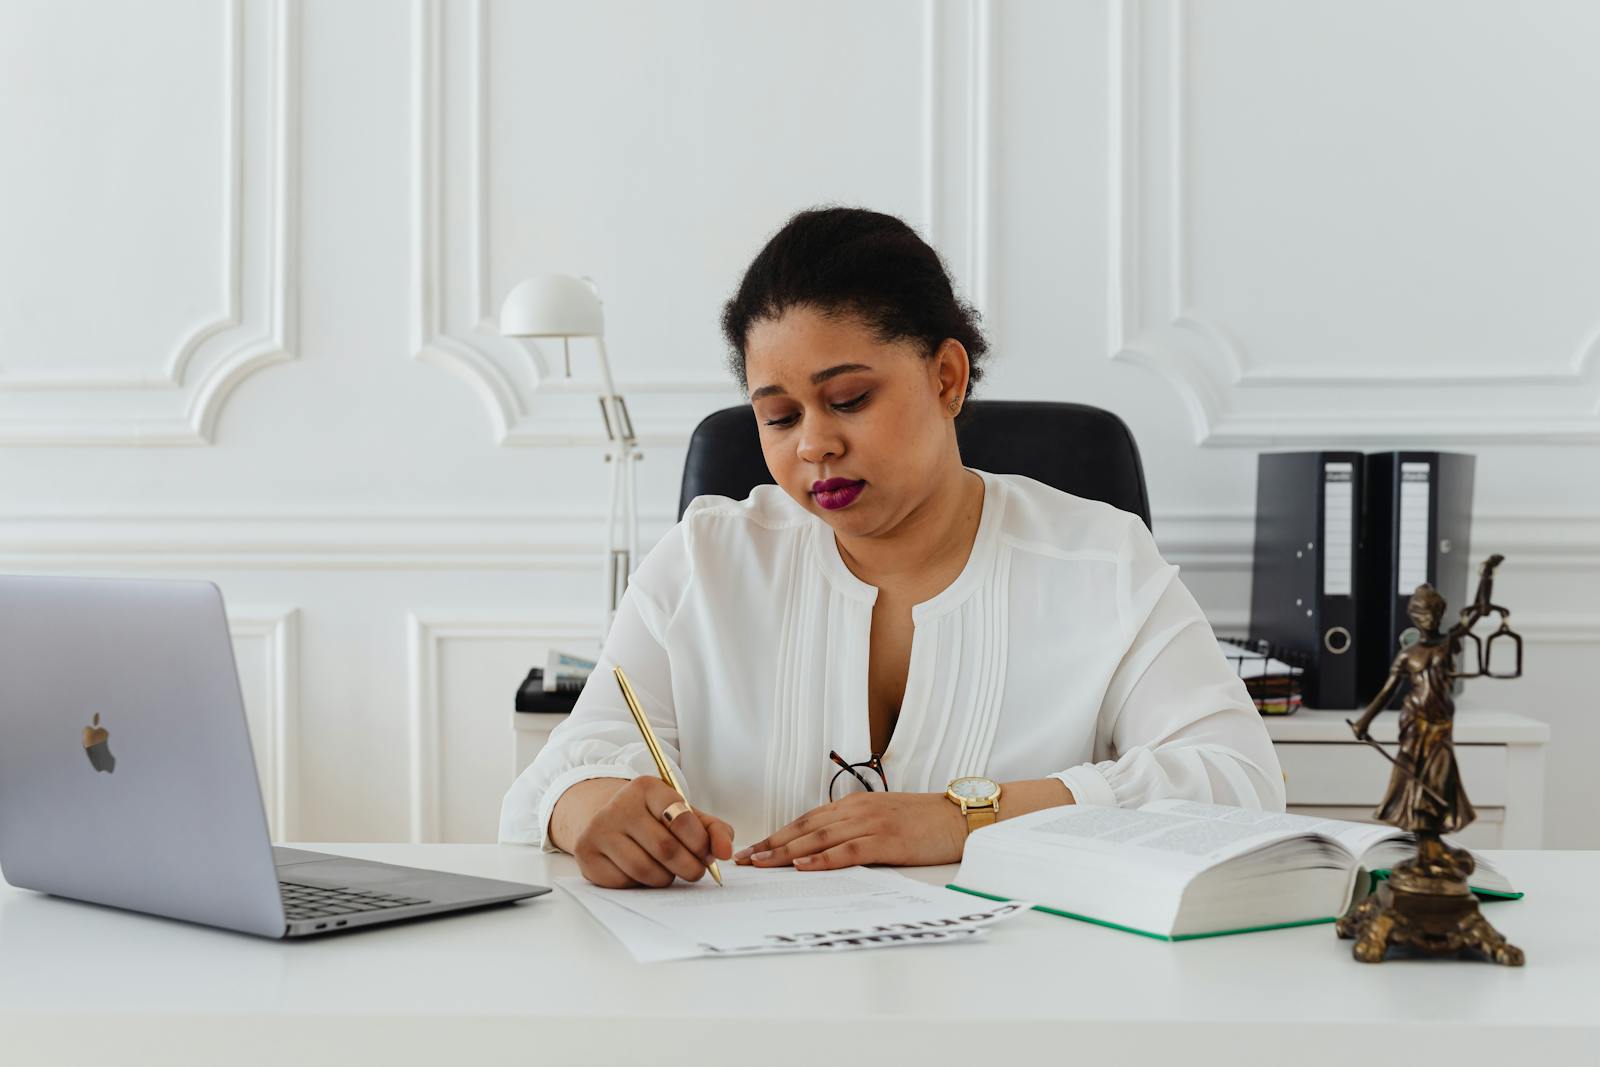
point(1375, 845)
point(1354, 837)
point(1170, 839)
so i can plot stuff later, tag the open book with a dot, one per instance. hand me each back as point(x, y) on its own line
point(1177, 869)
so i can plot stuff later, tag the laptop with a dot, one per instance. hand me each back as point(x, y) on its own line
point(127, 778)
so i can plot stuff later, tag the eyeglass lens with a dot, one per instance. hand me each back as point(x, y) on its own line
point(856, 778)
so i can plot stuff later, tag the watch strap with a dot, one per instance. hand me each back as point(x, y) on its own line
point(980, 817)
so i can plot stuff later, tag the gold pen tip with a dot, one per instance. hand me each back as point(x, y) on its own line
point(716, 872)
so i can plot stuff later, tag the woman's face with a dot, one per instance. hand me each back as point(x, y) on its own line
point(857, 430)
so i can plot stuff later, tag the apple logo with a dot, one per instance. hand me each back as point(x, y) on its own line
point(95, 743)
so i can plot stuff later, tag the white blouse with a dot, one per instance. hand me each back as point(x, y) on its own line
point(1066, 648)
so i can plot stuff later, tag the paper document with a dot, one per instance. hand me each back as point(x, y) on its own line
point(781, 909)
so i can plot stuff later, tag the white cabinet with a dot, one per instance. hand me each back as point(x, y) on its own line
point(1501, 755)
point(531, 729)
point(1328, 772)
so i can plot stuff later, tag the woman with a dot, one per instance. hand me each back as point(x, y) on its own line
point(882, 606)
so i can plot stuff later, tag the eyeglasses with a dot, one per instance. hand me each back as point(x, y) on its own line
point(875, 765)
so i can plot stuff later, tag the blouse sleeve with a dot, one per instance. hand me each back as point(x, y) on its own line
point(1176, 720)
point(600, 739)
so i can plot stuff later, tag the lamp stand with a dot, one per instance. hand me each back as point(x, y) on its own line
point(622, 548)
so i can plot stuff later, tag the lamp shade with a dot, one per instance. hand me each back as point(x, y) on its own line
point(552, 305)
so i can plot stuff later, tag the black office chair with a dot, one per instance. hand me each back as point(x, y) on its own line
point(1082, 450)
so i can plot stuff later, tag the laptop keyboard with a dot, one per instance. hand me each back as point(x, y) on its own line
point(315, 902)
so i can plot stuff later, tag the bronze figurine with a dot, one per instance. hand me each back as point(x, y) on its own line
point(1425, 904)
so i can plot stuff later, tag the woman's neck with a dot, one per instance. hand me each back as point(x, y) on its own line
point(930, 546)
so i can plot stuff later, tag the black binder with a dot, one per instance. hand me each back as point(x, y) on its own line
point(1305, 578)
point(1418, 525)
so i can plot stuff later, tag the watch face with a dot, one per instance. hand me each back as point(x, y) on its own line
point(974, 788)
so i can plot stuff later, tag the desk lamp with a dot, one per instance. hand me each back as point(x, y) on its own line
point(559, 305)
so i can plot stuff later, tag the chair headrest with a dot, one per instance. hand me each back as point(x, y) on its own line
point(1077, 448)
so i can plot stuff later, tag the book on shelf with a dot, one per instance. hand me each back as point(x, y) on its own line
point(1178, 869)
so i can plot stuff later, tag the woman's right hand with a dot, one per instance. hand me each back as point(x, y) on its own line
point(626, 843)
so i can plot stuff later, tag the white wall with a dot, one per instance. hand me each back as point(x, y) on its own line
point(253, 249)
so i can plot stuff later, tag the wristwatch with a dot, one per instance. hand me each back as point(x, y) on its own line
point(977, 797)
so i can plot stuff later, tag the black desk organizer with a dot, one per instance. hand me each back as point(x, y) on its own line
point(532, 697)
point(1274, 694)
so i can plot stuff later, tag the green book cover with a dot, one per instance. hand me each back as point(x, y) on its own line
point(1147, 933)
point(1483, 894)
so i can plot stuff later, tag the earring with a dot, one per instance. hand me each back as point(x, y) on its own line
point(955, 405)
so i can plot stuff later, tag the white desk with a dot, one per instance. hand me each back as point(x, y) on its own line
point(542, 983)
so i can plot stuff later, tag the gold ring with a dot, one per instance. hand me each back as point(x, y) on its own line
point(674, 811)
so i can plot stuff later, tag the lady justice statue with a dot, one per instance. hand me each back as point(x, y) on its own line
point(1425, 904)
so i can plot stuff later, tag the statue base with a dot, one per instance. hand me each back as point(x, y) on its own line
point(1425, 908)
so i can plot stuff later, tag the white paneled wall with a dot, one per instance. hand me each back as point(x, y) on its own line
point(151, 208)
point(277, 232)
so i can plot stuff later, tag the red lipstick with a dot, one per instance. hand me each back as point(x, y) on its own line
point(835, 493)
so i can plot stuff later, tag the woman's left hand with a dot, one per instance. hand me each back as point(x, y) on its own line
point(903, 829)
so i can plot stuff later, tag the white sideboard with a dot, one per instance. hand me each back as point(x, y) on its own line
point(1330, 773)
point(1501, 755)
point(531, 729)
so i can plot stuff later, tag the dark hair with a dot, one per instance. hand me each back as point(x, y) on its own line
point(851, 261)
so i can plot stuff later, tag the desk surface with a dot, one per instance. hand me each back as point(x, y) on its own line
point(542, 979)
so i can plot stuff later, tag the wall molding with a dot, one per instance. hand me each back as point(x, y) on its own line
point(980, 152)
point(256, 324)
point(84, 379)
point(1217, 541)
point(453, 308)
point(958, 116)
point(573, 541)
point(1205, 540)
point(279, 764)
point(426, 635)
point(1230, 398)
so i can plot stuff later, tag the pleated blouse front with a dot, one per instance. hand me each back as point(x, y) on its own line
point(1065, 648)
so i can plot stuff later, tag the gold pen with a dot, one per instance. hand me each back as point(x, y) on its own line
point(662, 766)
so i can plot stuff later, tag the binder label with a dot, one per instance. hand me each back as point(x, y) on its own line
point(1338, 528)
point(1414, 533)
